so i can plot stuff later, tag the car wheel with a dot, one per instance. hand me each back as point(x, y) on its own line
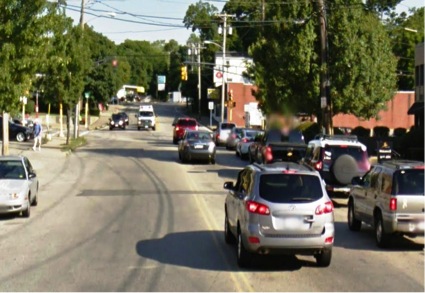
point(153, 128)
point(110, 128)
point(382, 238)
point(243, 255)
point(35, 200)
point(353, 223)
point(123, 128)
point(228, 236)
point(212, 160)
point(250, 158)
point(20, 136)
point(324, 258)
point(138, 128)
point(27, 212)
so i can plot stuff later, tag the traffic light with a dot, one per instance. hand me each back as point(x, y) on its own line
point(230, 104)
point(231, 95)
point(183, 72)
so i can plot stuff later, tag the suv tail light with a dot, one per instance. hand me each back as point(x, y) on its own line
point(257, 208)
point(326, 208)
point(393, 204)
point(268, 154)
point(196, 127)
point(244, 139)
point(318, 166)
point(233, 136)
point(177, 128)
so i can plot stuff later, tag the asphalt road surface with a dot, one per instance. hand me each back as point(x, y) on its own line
point(124, 214)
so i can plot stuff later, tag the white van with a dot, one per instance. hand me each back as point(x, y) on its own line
point(146, 118)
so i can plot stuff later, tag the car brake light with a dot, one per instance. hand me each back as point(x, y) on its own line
point(420, 167)
point(177, 128)
point(329, 240)
point(343, 146)
point(326, 208)
point(393, 204)
point(318, 166)
point(287, 171)
point(257, 208)
point(268, 154)
point(244, 140)
point(253, 239)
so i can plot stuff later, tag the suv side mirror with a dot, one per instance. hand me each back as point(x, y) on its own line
point(357, 181)
point(228, 185)
point(32, 175)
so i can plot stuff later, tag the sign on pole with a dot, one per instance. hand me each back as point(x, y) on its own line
point(161, 82)
point(210, 105)
point(323, 103)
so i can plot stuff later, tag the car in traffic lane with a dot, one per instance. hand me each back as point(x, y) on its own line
point(117, 121)
point(197, 145)
point(222, 132)
point(18, 185)
point(279, 208)
point(180, 126)
point(247, 137)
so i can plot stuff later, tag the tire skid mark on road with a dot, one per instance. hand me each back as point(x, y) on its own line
point(37, 216)
point(164, 195)
point(212, 225)
point(72, 247)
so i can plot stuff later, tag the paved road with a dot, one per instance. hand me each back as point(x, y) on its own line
point(123, 214)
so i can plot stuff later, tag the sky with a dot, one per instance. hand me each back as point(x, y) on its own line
point(150, 20)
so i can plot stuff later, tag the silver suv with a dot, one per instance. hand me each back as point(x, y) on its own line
point(390, 197)
point(279, 208)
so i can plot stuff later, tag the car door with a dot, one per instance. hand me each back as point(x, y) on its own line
point(371, 194)
point(358, 192)
point(231, 202)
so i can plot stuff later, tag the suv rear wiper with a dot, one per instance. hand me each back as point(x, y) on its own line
point(302, 199)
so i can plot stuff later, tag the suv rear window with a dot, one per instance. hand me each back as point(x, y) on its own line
point(409, 182)
point(333, 152)
point(278, 136)
point(227, 125)
point(290, 188)
point(185, 122)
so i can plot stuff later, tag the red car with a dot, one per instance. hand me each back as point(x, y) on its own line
point(180, 126)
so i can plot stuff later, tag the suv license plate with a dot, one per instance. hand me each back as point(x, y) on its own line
point(199, 146)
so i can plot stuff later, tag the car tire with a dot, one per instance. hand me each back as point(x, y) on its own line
point(212, 160)
point(138, 128)
point(228, 236)
point(382, 238)
point(353, 223)
point(35, 200)
point(324, 258)
point(250, 158)
point(123, 127)
point(345, 169)
point(20, 137)
point(153, 128)
point(243, 256)
point(110, 128)
point(27, 212)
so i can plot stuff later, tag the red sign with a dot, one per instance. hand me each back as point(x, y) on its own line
point(219, 74)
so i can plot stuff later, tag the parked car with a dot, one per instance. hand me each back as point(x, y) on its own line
point(222, 132)
point(275, 146)
point(246, 139)
point(16, 132)
point(338, 158)
point(197, 145)
point(180, 125)
point(125, 116)
point(18, 185)
point(390, 197)
point(279, 208)
point(117, 121)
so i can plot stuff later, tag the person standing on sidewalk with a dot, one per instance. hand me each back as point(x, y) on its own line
point(37, 135)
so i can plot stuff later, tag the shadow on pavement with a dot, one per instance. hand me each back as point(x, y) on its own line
point(365, 240)
point(205, 250)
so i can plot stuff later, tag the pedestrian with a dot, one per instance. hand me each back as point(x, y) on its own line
point(37, 135)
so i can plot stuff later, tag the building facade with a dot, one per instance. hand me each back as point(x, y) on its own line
point(417, 109)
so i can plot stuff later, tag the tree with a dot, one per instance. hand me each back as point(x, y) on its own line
point(201, 17)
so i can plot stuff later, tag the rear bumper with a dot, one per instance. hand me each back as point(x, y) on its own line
point(201, 155)
point(288, 244)
point(413, 226)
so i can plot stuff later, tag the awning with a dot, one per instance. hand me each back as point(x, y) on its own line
point(416, 108)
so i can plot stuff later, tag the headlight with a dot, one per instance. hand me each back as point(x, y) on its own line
point(211, 147)
point(14, 195)
point(112, 122)
point(120, 123)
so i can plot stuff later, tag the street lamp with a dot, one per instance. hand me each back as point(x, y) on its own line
point(223, 85)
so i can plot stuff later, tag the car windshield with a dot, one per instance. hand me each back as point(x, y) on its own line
point(116, 116)
point(146, 114)
point(290, 188)
point(204, 136)
point(187, 122)
point(227, 126)
point(409, 182)
point(12, 170)
point(333, 152)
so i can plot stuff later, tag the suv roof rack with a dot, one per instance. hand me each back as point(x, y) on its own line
point(337, 137)
point(286, 165)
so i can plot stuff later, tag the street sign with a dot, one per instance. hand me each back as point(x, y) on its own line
point(323, 102)
point(161, 79)
point(210, 105)
point(219, 74)
point(87, 95)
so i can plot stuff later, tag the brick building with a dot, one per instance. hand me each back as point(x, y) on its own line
point(394, 116)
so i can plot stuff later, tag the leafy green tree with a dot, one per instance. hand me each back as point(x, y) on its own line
point(201, 17)
point(404, 43)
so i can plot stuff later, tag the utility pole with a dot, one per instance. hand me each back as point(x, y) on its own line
point(325, 100)
point(83, 4)
point(199, 78)
point(223, 89)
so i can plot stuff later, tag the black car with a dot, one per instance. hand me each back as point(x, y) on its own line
point(117, 121)
point(125, 117)
point(16, 132)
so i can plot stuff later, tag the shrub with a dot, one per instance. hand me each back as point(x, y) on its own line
point(398, 132)
point(381, 131)
point(361, 131)
point(30, 107)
